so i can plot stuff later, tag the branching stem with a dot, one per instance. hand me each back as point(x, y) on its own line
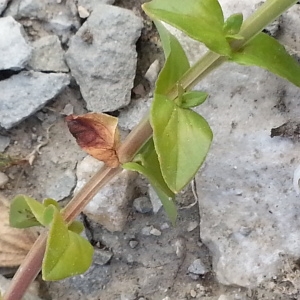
point(31, 266)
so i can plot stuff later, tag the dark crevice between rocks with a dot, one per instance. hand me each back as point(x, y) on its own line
point(5, 74)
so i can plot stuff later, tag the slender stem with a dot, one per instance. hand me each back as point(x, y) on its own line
point(269, 11)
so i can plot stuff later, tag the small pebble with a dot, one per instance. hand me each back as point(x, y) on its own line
point(180, 247)
point(133, 244)
point(83, 13)
point(194, 276)
point(197, 267)
point(3, 179)
point(142, 205)
point(102, 257)
point(4, 142)
point(68, 110)
point(156, 203)
point(192, 225)
point(155, 232)
point(223, 297)
point(164, 226)
point(146, 230)
point(245, 231)
point(193, 293)
point(152, 72)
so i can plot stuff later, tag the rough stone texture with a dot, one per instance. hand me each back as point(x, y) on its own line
point(60, 18)
point(110, 207)
point(90, 5)
point(48, 55)
point(138, 109)
point(249, 209)
point(197, 267)
point(61, 186)
point(25, 93)
point(102, 58)
point(3, 4)
point(14, 49)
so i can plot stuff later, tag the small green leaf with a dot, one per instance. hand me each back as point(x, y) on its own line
point(176, 61)
point(202, 20)
point(233, 24)
point(20, 213)
point(67, 253)
point(265, 52)
point(76, 226)
point(191, 99)
point(146, 163)
point(50, 201)
point(182, 139)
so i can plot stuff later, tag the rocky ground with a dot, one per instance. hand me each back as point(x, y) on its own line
point(240, 242)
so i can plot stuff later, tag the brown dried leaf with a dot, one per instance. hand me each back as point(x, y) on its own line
point(14, 243)
point(98, 135)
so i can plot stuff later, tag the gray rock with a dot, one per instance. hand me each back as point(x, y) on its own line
point(90, 5)
point(3, 4)
point(156, 203)
point(155, 231)
point(102, 58)
point(14, 49)
point(133, 244)
point(111, 206)
point(146, 230)
point(48, 55)
point(142, 205)
point(242, 110)
point(27, 92)
point(59, 18)
point(131, 115)
point(4, 142)
point(102, 257)
point(60, 187)
point(197, 267)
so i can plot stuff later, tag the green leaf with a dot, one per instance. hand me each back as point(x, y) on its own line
point(146, 163)
point(20, 214)
point(191, 99)
point(233, 24)
point(48, 214)
point(67, 253)
point(50, 201)
point(76, 226)
point(182, 139)
point(176, 61)
point(265, 52)
point(202, 20)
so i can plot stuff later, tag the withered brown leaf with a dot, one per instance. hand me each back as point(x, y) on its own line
point(14, 243)
point(98, 135)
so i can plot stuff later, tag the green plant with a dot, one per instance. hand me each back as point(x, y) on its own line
point(171, 124)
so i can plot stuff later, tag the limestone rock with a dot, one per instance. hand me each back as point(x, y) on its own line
point(14, 49)
point(111, 206)
point(102, 58)
point(48, 55)
point(27, 92)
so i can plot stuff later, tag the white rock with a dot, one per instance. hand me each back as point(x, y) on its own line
point(192, 225)
point(82, 11)
point(90, 5)
point(197, 267)
point(14, 48)
point(102, 58)
point(48, 55)
point(155, 231)
point(152, 72)
point(111, 206)
point(3, 179)
point(156, 203)
point(34, 91)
